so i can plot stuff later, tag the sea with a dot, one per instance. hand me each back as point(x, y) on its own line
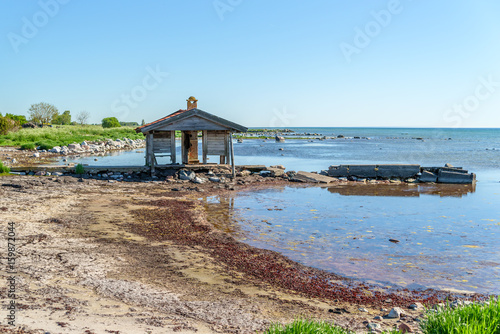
point(414, 236)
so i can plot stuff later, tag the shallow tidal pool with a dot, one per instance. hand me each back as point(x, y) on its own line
point(413, 236)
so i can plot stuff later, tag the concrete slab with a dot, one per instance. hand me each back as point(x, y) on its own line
point(338, 171)
point(427, 177)
point(302, 176)
point(454, 177)
point(402, 171)
point(276, 171)
point(397, 171)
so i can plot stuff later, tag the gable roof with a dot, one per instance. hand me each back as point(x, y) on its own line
point(182, 114)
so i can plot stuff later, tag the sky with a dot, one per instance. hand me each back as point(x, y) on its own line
point(259, 63)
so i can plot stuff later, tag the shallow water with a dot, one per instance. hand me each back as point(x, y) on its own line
point(448, 234)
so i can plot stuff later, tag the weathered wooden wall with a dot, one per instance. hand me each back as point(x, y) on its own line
point(216, 143)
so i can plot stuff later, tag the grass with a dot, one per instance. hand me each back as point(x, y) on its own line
point(470, 319)
point(4, 169)
point(79, 169)
point(61, 135)
point(306, 327)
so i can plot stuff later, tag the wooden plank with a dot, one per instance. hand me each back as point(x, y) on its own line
point(216, 152)
point(216, 147)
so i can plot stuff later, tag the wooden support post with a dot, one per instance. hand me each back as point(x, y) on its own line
point(150, 152)
point(172, 147)
point(232, 155)
point(184, 152)
point(146, 155)
point(204, 140)
point(226, 147)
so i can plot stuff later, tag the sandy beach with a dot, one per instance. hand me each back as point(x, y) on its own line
point(141, 257)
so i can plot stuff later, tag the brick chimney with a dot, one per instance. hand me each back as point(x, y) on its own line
point(192, 103)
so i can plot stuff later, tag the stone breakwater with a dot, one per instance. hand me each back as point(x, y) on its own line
point(99, 147)
point(402, 172)
point(13, 157)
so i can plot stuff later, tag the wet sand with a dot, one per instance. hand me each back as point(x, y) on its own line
point(137, 257)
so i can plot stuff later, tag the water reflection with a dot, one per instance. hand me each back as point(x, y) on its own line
point(403, 190)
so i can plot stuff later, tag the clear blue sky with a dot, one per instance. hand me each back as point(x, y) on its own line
point(259, 63)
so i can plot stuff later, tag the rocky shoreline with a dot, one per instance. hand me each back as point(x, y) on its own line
point(13, 156)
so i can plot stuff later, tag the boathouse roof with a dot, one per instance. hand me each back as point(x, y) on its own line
point(191, 119)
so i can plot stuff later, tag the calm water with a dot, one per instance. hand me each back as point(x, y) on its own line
point(474, 149)
point(449, 235)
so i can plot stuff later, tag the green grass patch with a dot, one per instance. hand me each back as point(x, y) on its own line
point(45, 145)
point(470, 319)
point(61, 135)
point(4, 169)
point(306, 327)
point(28, 146)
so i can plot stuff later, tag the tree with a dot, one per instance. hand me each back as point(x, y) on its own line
point(142, 123)
point(63, 119)
point(83, 117)
point(110, 122)
point(19, 119)
point(6, 124)
point(42, 112)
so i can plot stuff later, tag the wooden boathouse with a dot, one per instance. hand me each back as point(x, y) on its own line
point(193, 123)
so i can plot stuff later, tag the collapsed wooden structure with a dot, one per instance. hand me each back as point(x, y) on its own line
point(215, 133)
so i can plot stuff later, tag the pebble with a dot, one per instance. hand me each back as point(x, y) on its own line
point(395, 313)
point(416, 306)
point(362, 309)
point(373, 325)
point(404, 328)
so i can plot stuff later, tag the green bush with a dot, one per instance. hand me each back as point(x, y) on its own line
point(4, 169)
point(110, 122)
point(79, 169)
point(28, 146)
